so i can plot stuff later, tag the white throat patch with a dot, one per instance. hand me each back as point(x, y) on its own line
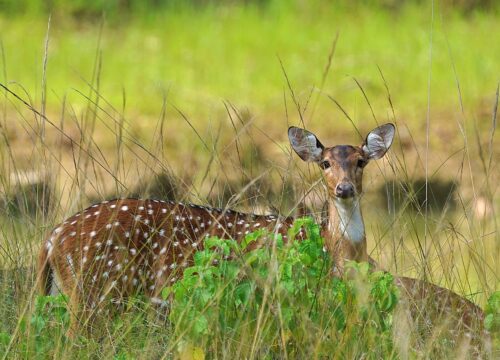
point(351, 222)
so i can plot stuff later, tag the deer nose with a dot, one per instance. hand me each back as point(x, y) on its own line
point(344, 190)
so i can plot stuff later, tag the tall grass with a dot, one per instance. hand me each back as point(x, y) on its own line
point(458, 251)
point(103, 141)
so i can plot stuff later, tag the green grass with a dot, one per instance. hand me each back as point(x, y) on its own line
point(123, 103)
point(202, 57)
point(265, 303)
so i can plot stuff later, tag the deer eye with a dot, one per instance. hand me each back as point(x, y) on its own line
point(325, 164)
point(361, 163)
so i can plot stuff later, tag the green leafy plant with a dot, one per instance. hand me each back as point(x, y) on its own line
point(4, 341)
point(46, 327)
point(282, 292)
point(492, 319)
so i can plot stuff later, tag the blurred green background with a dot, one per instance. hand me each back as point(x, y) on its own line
point(135, 91)
point(202, 52)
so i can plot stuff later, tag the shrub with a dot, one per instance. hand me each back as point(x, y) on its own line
point(280, 300)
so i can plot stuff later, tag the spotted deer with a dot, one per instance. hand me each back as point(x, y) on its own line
point(117, 248)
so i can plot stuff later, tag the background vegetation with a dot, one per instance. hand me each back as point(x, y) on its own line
point(191, 100)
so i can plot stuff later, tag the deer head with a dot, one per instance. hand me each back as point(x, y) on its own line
point(342, 164)
point(343, 171)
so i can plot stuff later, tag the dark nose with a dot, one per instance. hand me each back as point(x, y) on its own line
point(344, 190)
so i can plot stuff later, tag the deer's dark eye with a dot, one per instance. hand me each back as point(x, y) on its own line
point(325, 164)
point(361, 163)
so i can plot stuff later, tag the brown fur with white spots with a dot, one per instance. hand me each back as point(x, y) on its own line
point(118, 248)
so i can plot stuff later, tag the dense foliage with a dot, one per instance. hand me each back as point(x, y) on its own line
point(284, 295)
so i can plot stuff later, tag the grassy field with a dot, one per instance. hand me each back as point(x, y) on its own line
point(204, 57)
point(193, 104)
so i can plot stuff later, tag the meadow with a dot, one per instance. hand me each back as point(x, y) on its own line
point(192, 103)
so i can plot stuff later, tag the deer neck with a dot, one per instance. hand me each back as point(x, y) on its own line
point(344, 233)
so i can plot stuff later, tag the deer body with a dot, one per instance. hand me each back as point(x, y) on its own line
point(117, 248)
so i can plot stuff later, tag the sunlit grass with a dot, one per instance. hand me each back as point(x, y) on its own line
point(451, 247)
point(123, 106)
point(201, 57)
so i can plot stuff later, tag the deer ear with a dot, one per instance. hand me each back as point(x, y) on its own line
point(305, 144)
point(378, 141)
